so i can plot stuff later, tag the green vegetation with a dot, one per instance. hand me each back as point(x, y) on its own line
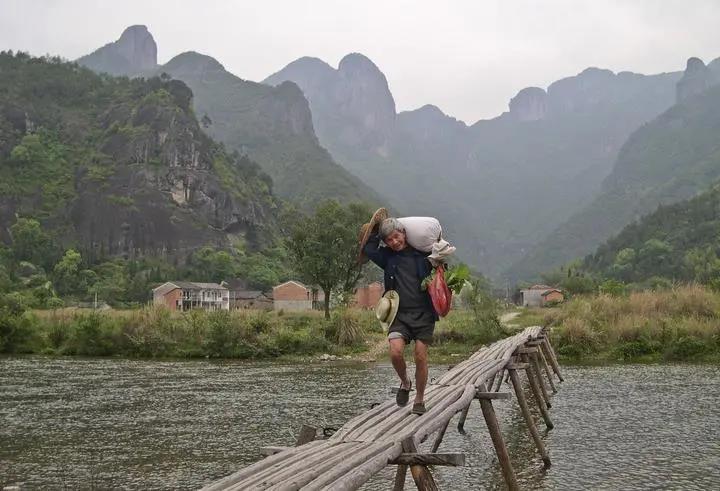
point(678, 324)
point(670, 159)
point(271, 125)
point(159, 333)
point(680, 242)
point(325, 250)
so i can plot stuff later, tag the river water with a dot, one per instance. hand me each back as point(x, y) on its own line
point(128, 424)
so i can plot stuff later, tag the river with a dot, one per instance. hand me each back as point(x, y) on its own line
point(136, 424)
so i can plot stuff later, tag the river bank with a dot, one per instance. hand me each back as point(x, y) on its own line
point(677, 325)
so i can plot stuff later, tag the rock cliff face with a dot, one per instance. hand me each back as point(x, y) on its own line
point(696, 79)
point(271, 125)
point(134, 53)
point(353, 109)
point(123, 168)
point(548, 154)
point(529, 104)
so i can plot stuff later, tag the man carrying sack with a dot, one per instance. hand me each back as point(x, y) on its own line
point(405, 310)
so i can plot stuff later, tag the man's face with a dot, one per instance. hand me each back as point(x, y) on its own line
point(396, 240)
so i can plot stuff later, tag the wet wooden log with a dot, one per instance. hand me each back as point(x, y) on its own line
point(461, 421)
point(525, 410)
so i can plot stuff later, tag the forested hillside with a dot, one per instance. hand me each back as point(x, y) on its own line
point(270, 125)
point(667, 160)
point(114, 177)
point(679, 242)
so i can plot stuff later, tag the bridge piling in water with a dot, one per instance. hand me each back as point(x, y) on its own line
point(390, 435)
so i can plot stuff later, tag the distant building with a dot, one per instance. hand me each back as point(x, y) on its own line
point(540, 295)
point(294, 296)
point(366, 297)
point(186, 295)
point(243, 298)
point(250, 299)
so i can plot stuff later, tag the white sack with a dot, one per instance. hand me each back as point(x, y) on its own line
point(421, 232)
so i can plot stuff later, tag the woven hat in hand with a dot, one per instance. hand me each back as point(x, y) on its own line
point(369, 228)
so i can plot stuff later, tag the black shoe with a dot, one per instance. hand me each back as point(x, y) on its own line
point(403, 395)
point(419, 408)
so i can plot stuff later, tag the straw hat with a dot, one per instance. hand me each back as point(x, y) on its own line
point(367, 229)
point(387, 308)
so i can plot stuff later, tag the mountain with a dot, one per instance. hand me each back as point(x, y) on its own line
point(499, 185)
point(667, 160)
point(133, 54)
point(118, 166)
point(271, 125)
point(678, 242)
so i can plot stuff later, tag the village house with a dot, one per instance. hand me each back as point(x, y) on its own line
point(243, 298)
point(186, 295)
point(294, 296)
point(366, 297)
point(540, 295)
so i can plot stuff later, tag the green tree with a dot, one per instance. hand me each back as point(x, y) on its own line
point(30, 243)
point(324, 247)
point(67, 276)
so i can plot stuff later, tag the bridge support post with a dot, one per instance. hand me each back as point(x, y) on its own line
point(536, 393)
point(420, 473)
point(522, 401)
point(461, 422)
point(546, 369)
point(400, 478)
point(498, 442)
point(439, 439)
point(550, 354)
point(541, 380)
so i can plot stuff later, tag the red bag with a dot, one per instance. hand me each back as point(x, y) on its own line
point(440, 294)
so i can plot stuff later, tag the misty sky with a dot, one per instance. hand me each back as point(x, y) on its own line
point(467, 57)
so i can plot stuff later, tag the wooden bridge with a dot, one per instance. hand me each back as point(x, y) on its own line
point(390, 435)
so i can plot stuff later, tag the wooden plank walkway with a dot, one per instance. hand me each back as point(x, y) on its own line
point(389, 435)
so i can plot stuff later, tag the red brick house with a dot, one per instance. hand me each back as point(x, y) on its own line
point(366, 297)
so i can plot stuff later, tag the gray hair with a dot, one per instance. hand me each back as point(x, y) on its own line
point(388, 226)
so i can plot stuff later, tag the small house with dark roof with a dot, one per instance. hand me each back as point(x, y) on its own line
point(187, 295)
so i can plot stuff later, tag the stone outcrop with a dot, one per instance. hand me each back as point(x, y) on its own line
point(352, 106)
point(530, 104)
point(133, 54)
point(696, 79)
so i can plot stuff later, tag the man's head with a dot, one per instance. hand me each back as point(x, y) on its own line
point(392, 232)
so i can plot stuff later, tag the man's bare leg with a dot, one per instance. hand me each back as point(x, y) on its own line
point(421, 370)
point(397, 357)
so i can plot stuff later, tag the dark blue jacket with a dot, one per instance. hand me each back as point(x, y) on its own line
point(388, 260)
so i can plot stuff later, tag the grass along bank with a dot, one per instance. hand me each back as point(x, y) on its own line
point(159, 333)
point(673, 325)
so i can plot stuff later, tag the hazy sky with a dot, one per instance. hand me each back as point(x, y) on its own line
point(467, 57)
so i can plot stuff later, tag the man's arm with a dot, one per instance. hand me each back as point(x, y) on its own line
point(377, 254)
